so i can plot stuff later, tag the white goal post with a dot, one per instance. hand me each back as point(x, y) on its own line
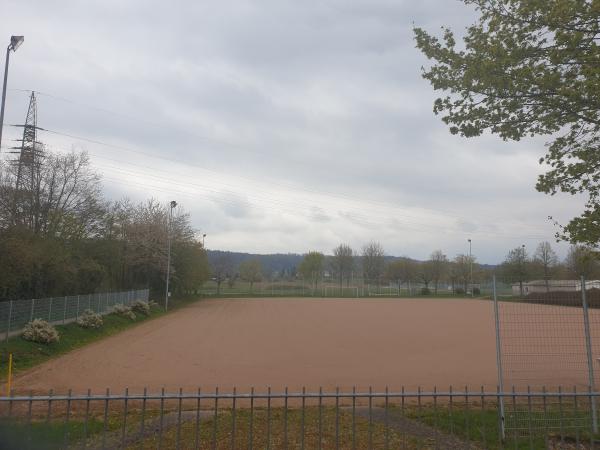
point(382, 291)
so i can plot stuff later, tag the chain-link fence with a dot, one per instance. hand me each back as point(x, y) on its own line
point(354, 288)
point(548, 333)
point(14, 314)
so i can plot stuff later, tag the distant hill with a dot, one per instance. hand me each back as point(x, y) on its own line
point(280, 263)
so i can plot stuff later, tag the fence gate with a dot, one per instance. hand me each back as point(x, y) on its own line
point(548, 335)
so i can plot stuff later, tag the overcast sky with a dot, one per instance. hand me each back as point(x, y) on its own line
point(281, 126)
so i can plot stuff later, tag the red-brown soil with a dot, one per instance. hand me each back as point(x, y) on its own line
point(288, 342)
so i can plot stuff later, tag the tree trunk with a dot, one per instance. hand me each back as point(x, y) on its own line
point(521, 287)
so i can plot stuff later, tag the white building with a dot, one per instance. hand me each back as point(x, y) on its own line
point(537, 286)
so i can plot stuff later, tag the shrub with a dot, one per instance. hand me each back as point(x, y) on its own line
point(40, 331)
point(152, 304)
point(459, 291)
point(89, 319)
point(425, 291)
point(476, 291)
point(124, 311)
point(141, 307)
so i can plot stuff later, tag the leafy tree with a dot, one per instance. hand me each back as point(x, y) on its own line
point(425, 271)
point(546, 258)
point(438, 263)
point(65, 200)
point(62, 237)
point(221, 269)
point(191, 268)
point(529, 68)
point(311, 267)
point(251, 271)
point(343, 263)
point(462, 267)
point(373, 262)
point(515, 267)
point(403, 270)
point(582, 261)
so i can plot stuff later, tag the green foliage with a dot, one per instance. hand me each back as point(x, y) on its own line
point(311, 266)
point(516, 266)
point(425, 291)
point(582, 261)
point(373, 262)
point(90, 319)
point(69, 240)
point(529, 68)
point(191, 268)
point(40, 331)
point(342, 263)
point(251, 271)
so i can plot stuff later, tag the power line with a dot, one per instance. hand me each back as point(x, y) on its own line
point(294, 211)
point(357, 217)
point(283, 205)
point(123, 148)
point(221, 143)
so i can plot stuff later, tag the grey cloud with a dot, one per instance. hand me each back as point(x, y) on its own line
point(324, 97)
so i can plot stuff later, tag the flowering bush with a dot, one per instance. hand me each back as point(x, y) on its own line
point(124, 311)
point(89, 319)
point(141, 307)
point(40, 331)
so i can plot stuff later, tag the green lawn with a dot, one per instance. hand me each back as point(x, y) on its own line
point(409, 427)
point(260, 427)
point(526, 428)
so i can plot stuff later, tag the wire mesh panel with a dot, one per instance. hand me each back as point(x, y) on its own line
point(15, 314)
point(543, 335)
point(548, 335)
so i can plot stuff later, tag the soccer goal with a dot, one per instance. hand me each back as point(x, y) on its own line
point(382, 291)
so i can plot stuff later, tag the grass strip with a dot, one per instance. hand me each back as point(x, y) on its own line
point(28, 354)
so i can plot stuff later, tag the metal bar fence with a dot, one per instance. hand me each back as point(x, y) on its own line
point(14, 314)
point(452, 418)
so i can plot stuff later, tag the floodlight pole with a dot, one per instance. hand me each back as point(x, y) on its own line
point(15, 42)
point(471, 269)
point(172, 205)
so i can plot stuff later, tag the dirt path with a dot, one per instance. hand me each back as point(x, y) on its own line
point(293, 342)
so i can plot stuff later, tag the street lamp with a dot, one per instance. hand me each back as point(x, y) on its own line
point(522, 267)
point(15, 43)
point(203, 236)
point(471, 264)
point(172, 205)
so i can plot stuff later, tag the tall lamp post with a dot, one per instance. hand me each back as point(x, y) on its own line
point(15, 42)
point(522, 264)
point(172, 205)
point(203, 236)
point(471, 268)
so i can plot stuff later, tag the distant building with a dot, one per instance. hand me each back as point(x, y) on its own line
point(538, 286)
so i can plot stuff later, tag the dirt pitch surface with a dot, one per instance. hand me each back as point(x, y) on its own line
point(288, 342)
